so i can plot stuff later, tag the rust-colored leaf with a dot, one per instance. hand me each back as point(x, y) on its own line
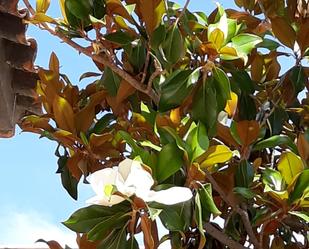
point(303, 147)
point(52, 244)
point(73, 167)
point(224, 134)
point(83, 242)
point(248, 131)
point(283, 31)
point(303, 35)
point(116, 7)
point(84, 118)
point(257, 67)
point(152, 12)
point(125, 90)
point(97, 140)
point(146, 225)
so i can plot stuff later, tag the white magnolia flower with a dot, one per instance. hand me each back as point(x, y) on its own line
point(131, 178)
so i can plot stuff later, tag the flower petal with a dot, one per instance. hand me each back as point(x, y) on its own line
point(139, 178)
point(169, 196)
point(125, 167)
point(101, 178)
point(102, 200)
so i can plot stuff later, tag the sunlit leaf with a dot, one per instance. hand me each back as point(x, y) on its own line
point(215, 154)
point(290, 165)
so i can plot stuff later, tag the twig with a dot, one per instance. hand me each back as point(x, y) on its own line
point(243, 214)
point(223, 238)
point(146, 65)
point(185, 7)
point(103, 59)
point(157, 72)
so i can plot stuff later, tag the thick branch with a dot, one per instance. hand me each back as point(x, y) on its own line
point(223, 238)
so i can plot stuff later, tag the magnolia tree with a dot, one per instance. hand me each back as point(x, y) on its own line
point(189, 118)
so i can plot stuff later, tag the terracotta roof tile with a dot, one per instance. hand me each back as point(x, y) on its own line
point(17, 73)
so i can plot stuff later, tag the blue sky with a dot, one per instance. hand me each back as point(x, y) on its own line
point(33, 202)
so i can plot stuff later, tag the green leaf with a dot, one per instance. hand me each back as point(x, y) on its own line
point(277, 140)
point(274, 184)
point(301, 214)
point(79, 8)
point(198, 141)
point(176, 88)
point(85, 219)
point(173, 46)
point(199, 219)
point(110, 81)
point(68, 181)
point(175, 217)
point(117, 239)
point(136, 54)
point(244, 43)
point(290, 165)
point(223, 88)
point(119, 37)
point(103, 123)
point(277, 119)
point(244, 174)
point(273, 179)
point(204, 107)
point(158, 37)
point(115, 221)
point(301, 186)
point(169, 161)
point(207, 203)
point(269, 44)
point(298, 78)
point(244, 192)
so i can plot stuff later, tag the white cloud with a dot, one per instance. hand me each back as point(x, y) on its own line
point(22, 229)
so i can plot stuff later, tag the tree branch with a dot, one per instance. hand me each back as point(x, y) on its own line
point(223, 238)
point(103, 59)
point(243, 214)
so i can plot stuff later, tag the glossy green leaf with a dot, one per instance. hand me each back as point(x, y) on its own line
point(269, 44)
point(175, 217)
point(117, 239)
point(110, 81)
point(244, 192)
point(101, 230)
point(244, 43)
point(198, 141)
point(278, 140)
point(173, 46)
point(119, 37)
point(79, 8)
point(301, 187)
point(85, 219)
point(68, 181)
point(176, 88)
point(298, 78)
point(204, 107)
point(169, 161)
point(244, 174)
point(223, 88)
point(207, 203)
